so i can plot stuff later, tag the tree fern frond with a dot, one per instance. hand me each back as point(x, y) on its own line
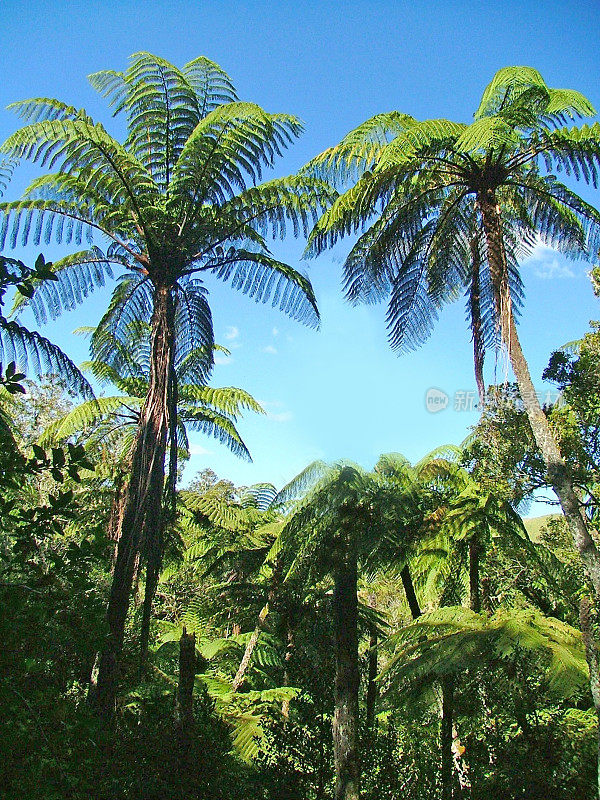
point(29, 349)
point(263, 278)
point(77, 276)
point(452, 639)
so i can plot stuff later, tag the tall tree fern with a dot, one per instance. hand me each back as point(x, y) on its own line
point(178, 200)
point(447, 208)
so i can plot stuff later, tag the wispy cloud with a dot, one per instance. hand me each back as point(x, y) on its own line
point(547, 264)
point(222, 361)
point(275, 410)
point(232, 333)
point(270, 349)
point(198, 450)
point(275, 331)
point(283, 416)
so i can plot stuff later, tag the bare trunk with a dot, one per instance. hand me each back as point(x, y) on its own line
point(252, 641)
point(345, 717)
point(250, 645)
point(446, 736)
point(557, 470)
point(143, 497)
point(372, 689)
point(289, 649)
point(409, 591)
point(185, 687)
point(474, 588)
point(591, 652)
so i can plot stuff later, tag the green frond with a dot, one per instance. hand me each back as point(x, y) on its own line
point(40, 109)
point(217, 425)
point(574, 150)
point(487, 134)
point(211, 84)
point(271, 206)
point(230, 147)
point(85, 151)
point(359, 150)
point(32, 351)
point(265, 279)
point(419, 138)
point(88, 415)
point(507, 85)
point(229, 400)
point(77, 276)
point(452, 639)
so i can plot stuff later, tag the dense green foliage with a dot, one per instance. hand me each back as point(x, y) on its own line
point(404, 608)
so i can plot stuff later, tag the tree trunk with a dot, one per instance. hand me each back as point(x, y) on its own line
point(155, 542)
point(252, 641)
point(447, 736)
point(556, 467)
point(372, 689)
point(591, 652)
point(345, 716)
point(250, 645)
point(152, 575)
point(474, 589)
point(409, 591)
point(185, 687)
point(143, 497)
point(289, 649)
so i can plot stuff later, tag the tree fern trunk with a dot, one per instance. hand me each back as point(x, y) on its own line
point(250, 645)
point(185, 687)
point(143, 497)
point(591, 652)
point(474, 588)
point(556, 468)
point(372, 691)
point(409, 591)
point(253, 640)
point(289, 649)
point(345, 716)
point(447, 736)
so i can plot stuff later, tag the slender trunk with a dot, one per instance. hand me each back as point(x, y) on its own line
point(188, 766)
point(152, 575)
point(556, 468)
point(447, 736)
point(372, 689)
point(474, 588)
point(143, 497)
point(155, 541)
point(252, 641)
point(476, 319)
point(250, 645)
point(289, 649)
point(409, 591)
point(185, 687)
point(592, 656)
point(345, 716)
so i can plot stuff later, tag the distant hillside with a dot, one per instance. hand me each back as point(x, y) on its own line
point(535, 524)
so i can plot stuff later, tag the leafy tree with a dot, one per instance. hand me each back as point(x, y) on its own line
point(177, 201)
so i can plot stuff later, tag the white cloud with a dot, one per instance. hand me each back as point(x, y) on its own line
point(232, 333)
point(270, 349)
point(547, 264)
point(283, 416)
point(198, 450)
point(276, 416)
point(223, 360)
point(275, 331)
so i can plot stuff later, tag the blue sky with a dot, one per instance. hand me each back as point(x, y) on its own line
point(338, 392)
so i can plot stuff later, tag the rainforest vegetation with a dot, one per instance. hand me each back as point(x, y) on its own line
point(395, 630)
